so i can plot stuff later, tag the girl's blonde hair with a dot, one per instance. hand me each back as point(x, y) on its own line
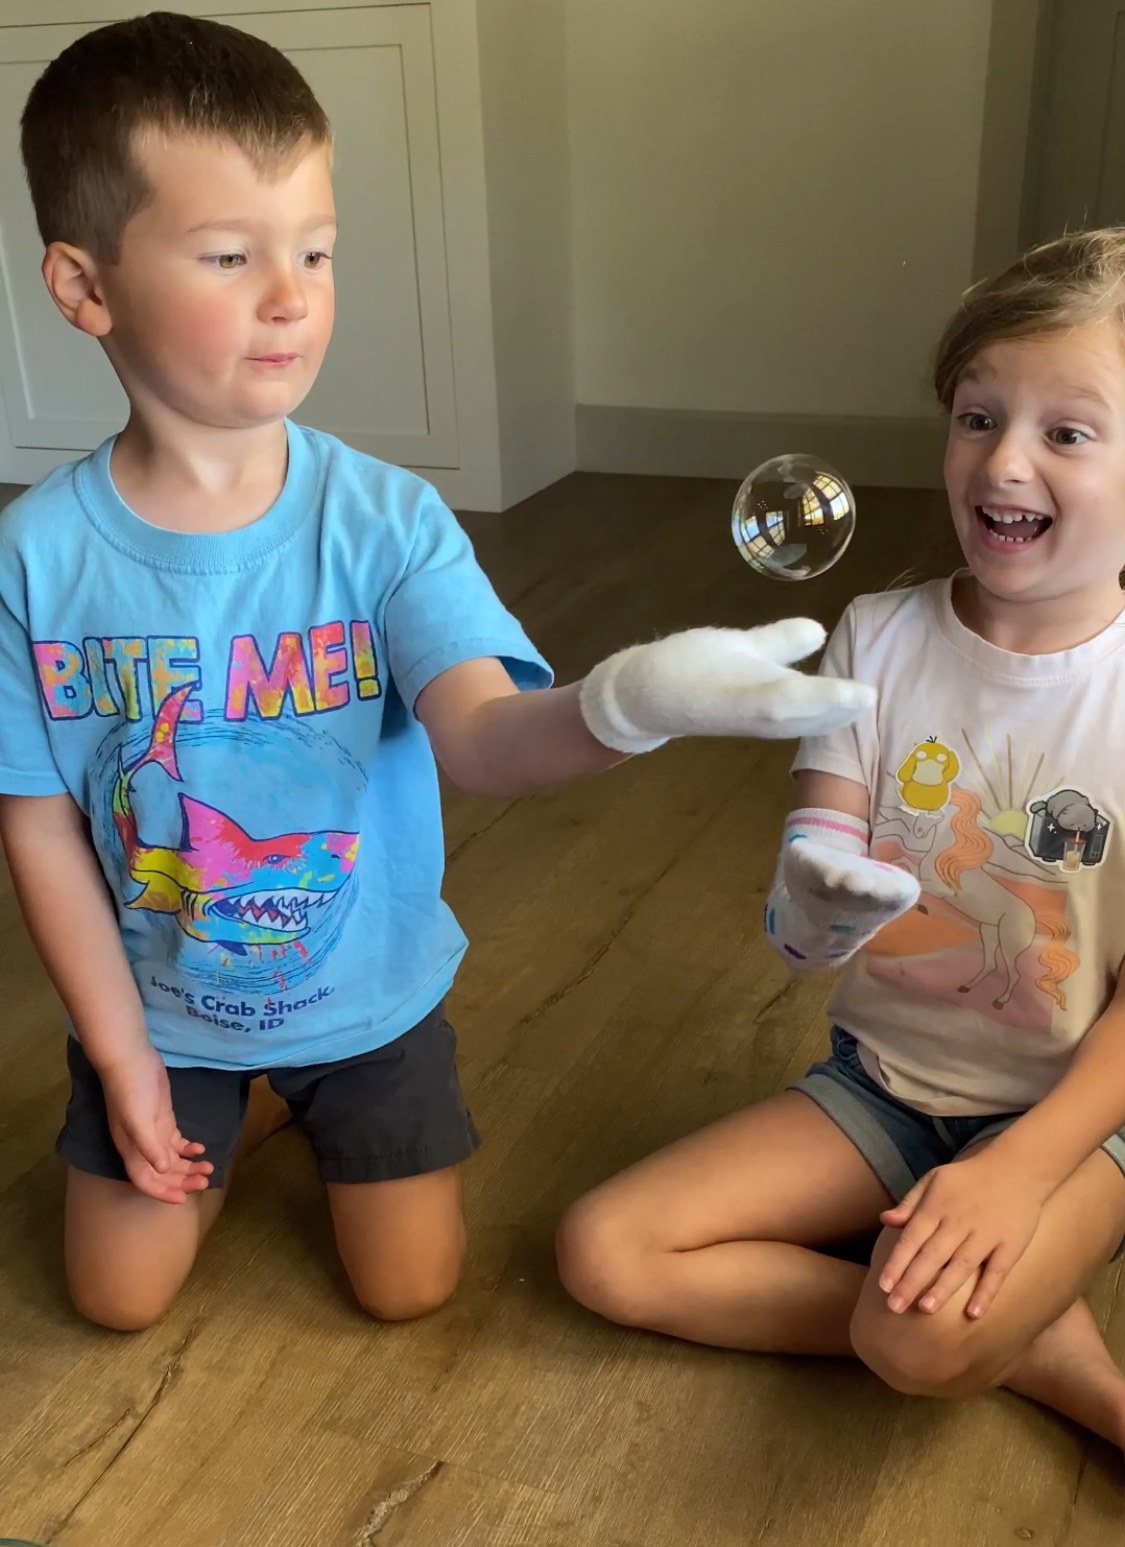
point(1076, 279)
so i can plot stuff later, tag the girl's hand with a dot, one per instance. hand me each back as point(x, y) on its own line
point(159, 1160)
point(971, 1217)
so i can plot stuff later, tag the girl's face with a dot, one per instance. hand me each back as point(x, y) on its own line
point(1035, 464)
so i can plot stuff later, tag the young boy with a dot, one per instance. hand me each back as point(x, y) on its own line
point(231, 649)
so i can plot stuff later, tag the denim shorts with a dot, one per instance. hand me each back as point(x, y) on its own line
point(899, 1143)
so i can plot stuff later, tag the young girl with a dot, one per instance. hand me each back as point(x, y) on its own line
point(960, 853)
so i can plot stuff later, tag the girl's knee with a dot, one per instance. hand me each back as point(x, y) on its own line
point(923, 1356)
point(597, 1264)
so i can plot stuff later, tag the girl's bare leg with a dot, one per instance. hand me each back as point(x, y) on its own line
point(714, 1240)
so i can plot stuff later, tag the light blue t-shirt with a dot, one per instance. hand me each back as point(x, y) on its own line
point(234, 714)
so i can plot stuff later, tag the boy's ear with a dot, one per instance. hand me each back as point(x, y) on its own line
point(71, 276)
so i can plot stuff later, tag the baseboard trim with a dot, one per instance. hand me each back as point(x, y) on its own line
point(884, 453)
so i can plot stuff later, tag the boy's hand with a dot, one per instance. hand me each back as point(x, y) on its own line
point(718, 682)
point(960, 1220)
point(159, 1160)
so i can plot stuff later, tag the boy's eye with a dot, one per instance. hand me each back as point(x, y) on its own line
point(1067, 435)
point(974, 420)
point(227, 260)
point(316, 260)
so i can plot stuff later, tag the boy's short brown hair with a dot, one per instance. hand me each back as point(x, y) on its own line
point(167, 73)
point(1065, 283)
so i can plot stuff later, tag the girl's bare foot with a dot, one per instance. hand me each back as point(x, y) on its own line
point(1069, 1368)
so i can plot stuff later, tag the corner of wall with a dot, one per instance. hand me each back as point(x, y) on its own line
point(525, 112)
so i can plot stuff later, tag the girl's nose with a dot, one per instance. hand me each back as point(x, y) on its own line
point(1008, 461)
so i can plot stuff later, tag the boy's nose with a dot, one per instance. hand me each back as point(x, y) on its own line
point(284, 298)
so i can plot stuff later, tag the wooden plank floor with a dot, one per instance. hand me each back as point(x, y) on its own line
point(617, 994)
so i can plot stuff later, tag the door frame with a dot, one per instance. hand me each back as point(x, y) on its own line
point(1011, 136)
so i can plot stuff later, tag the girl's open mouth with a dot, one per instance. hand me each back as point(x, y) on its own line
point(1010, 528)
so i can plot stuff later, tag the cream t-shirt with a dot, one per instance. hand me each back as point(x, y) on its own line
point(999, 781)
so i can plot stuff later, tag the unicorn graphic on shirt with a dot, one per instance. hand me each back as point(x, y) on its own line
point(973, 876)
point(986, 862)
point(222, 886)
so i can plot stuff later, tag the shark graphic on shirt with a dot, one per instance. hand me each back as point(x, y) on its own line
point(221, 885)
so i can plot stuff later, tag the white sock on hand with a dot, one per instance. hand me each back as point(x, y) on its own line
point(829, 897)
point(718, 682)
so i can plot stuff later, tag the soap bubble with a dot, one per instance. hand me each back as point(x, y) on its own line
point(793, 518)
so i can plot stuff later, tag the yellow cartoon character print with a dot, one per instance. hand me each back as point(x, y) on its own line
point(925, 777)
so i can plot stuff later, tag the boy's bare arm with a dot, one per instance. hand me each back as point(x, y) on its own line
point(493, 740)
point(70, 917)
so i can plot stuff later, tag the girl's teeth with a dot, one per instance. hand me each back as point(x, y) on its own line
point(1018, 519)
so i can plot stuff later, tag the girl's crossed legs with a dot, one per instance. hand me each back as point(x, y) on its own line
point(716, 1239)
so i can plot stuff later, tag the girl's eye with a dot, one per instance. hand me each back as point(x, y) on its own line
point(227, 260)
point(975, 421)
point(316, 260)
point(1067, 435)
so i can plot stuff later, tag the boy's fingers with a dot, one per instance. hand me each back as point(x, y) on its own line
point(151, 1150)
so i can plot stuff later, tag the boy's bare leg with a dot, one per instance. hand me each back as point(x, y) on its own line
point(127, 1256)
point(402, 1242)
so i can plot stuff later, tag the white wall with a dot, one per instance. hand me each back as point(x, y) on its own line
point(774, 201)
point(523, 85)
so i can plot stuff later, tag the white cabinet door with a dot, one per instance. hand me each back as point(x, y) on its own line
point(387, 386)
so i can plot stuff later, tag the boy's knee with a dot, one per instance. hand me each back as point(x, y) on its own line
point(408, 1300)
point(410, 1290)
point(596, 1264)
point(118, 1312)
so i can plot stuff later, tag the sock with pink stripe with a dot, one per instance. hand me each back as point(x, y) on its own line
point(829, 897)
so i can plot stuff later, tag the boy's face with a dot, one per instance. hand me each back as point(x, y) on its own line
point(1035, 464)
point(220, 308)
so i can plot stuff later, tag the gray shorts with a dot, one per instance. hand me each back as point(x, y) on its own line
point(899, 1143)
point(394, 1112)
